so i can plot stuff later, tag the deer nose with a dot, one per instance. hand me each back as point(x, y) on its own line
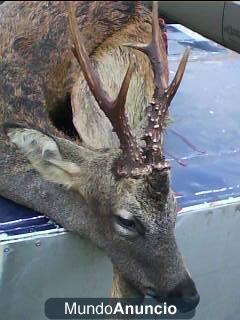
point(184, 296)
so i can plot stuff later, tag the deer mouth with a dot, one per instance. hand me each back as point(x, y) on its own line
point(186, 304)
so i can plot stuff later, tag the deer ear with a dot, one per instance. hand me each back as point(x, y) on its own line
point(44, 154)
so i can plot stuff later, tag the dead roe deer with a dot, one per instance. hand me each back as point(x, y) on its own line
point(82, 144)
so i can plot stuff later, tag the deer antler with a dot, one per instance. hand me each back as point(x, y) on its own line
point(157, 111)
point(135, 162)
point(131, 163)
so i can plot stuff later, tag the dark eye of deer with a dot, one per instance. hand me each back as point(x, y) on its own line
point(126, 223)
point(125, 227)
point(128, 227)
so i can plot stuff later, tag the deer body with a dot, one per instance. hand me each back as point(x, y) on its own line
point(112, 196)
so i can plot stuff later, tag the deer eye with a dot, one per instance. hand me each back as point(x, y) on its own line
point(126, 223)
point(124, 226)
point(128, 226)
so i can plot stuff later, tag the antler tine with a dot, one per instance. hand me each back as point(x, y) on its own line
point(157, 55)
point(178, 76)
point(131, 163)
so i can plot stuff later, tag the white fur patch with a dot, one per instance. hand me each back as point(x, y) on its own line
point(33, 141)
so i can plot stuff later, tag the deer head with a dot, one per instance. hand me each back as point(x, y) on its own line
point(132, 210)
